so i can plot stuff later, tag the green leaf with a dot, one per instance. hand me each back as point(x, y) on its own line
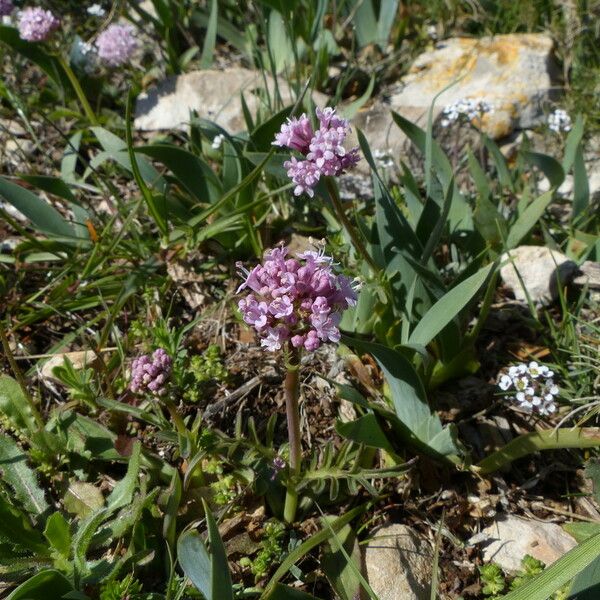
point(83, 499)
point(365, 430)
point(586, 586)
point(592, 471)
point(527, 220)
point(500, 162)
point(20, 477)
point(208, 572)
point(448, 307)
point(43, 586)
point(337, 568)
point(406, 389)
point(556, 575)
point(221, 584)
point(122, 493)
point(572, 144)
point(549, 166)
point(210, 37)
point(57, 532)
point(43, 217)
point(572, 437)
point(581, 530)
point(365, 23)
point(14, 405)
point(191, 171)
point(581, 186)
point(195, 562)
point(16, 527)
point(279, 45)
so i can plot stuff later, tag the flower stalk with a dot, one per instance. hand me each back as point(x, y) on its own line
point(354, 235)
point(87, 109)
point(292, 393)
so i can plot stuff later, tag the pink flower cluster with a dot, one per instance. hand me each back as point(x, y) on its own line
point(36, 24)
point(324, 149)
point(6, 7)
point(151, 373)
point(296, 300)
point(117, 44)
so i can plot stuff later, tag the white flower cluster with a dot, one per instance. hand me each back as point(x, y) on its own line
point(559, 120)
point(96, 10)
point(534, 387)
point(467, 108)
point(383, 158)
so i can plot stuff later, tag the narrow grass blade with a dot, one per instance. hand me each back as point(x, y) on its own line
point(577, 437)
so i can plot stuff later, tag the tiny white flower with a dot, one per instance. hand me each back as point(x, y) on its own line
point(96, 10)
point(529, 391)
point(551, 408)
point(521, 383)
point(217, 141)
point(513, 371)
point(520, 397)
point(536, 401)
point(553, 390)
point(505, 382)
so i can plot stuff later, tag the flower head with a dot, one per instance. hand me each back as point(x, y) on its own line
point(150, 374)
point(324, 149)
point(559, 120)
point(533, 387)
point(466, 109)
point(6, 7)
point(36, 24)
point(116, 44)
point(295, 300)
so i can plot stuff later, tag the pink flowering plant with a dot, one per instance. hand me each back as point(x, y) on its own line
point(324, 156)
point(323, 149)
point(294, 304)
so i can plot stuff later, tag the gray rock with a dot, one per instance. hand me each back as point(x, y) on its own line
point(80, 360)
point(588, 275)
point(215, 95)
point(540, 270)
point(514, 72)
point(398, 564)
point(509, 538)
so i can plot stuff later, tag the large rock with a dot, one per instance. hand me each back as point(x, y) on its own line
point(514, 72)
point(398, 564)
point(214, 95)
point(508, 539)
point(536, 271)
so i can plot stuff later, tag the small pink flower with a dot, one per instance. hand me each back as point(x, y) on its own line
point(295, 134)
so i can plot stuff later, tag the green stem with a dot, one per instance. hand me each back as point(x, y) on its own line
point(19, 377)
point(292, 389)
point(87, 109)
point(352, 232)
